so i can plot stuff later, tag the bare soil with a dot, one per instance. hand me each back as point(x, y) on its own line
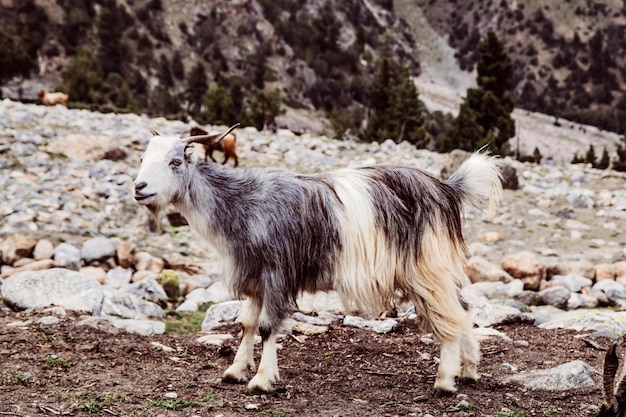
point(71, 369)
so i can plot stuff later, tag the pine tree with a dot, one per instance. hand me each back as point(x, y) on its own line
point(590, 157)
point(604, 161)
point(197, 86)
point(485, 116)
point(177, 66)
point(83, 79)
point(393, 102)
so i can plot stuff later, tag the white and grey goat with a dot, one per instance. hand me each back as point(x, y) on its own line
point(366, 232)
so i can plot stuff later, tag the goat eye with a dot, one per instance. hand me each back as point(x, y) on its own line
point(176, 162)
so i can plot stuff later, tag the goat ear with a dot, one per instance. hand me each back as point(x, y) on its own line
point(154, 131)
point(190, 155)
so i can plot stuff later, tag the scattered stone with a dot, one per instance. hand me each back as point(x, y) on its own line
point(527, 267)
point(219, 314)
point(67, 256)
point(378, 326)
point(16, 247)
point(44, 249)
point(214, 339)
point(56, 286)
point(478, 269)
point(97, 249)
point(572, 375)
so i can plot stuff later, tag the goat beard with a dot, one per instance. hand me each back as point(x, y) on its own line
point(156, 214)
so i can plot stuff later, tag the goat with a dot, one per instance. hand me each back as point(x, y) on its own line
point(364, 232)
point(228, 145)
point(614, 397)
point(51, 99)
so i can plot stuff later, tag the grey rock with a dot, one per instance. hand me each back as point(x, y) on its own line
point(577, 300)
point(118, 277)
point(142, 327)
point(600, 322)
point(147, 289)
point(62, 287)
point(378, 326)
point(130, 306)
point(546, 313)
point(219, 314)
point(555, 296)
point(97, 249)
point(48, 320)
point(319, 320)
point(67, 256)
point(612, 291)
point(573, 282)
point(572, 375)
point(486, 314)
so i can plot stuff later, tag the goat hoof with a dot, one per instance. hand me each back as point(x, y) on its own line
point(232, 379)
point(257, 390)
point(467, 381)
point(440, 393)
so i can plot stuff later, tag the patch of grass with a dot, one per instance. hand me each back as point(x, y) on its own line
point(97, 405)
point(53, 361)
point(510, 414)
point(329, 359)
point(276, 413)
point(189, 384)
point(185, 322)
point(550, 410)
point(208, 399)
point(173, 404)
point(471, 409)
point(12, 378)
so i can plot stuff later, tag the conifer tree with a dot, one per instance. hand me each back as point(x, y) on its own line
point(590, 157)
point(604, 161)
point(485, 116)
point(395, 109)
point(197, 86)
point(83, 79)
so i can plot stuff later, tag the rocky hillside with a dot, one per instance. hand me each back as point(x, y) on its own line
point(569, 56)
point(318, 54)
point(68, 176)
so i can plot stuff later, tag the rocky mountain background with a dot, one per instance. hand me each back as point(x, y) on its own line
point(321, 54)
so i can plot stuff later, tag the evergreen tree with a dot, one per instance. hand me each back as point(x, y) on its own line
point(218, 107)
point(590, 157)
point(165, 73)
point(619, 162)
point(113, 52)
point(485, 116)
point(177, 66)
point(197, 86)
point(265, 107)
point(604, 161)
point(14, 59)
point(393, 102)
point(83, 79)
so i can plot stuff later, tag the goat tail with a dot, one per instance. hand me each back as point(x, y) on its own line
point(479, 178)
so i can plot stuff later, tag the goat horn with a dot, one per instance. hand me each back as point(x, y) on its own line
point(207, 139)
point(611, 363)
point(154, 131)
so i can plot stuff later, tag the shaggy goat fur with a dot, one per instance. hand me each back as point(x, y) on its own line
point(366, 232)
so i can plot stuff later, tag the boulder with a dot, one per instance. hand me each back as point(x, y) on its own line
point(61, 287)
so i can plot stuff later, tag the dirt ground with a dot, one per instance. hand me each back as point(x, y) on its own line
point(71, 369)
